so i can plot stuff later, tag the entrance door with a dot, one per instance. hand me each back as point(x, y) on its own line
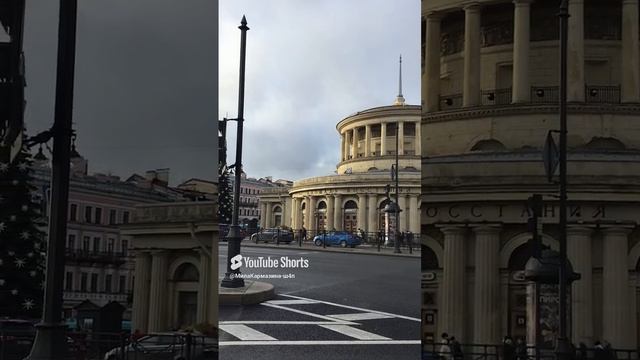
point(187, 307)
point(518, 311)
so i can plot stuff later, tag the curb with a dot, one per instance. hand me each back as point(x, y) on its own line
point(328, 249)
point(254, 292)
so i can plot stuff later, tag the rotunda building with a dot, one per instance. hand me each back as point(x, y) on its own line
point(490, 96)
point(354, 197)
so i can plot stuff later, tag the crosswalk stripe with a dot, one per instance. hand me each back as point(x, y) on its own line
point(292, 302)
point(326, 318)
point(361, 316)
point(320, 342)
point(354, 332)
point(245, 333)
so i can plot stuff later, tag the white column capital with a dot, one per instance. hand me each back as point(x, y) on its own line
point(472, 6)
point(522, 2)
point(452, 229)
point(579, 230)
point(434, 16)
point(617, 230)
point(487, 229)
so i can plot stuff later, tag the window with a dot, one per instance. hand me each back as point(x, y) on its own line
point(107, 283)
point(87, 214)
point(112, 217)
point(96, 244)
point(68, 286)
point(110, 245)
point(122, 286)
point(73, 212)
point(83, 281)
point(98, 217)
point(125, 217)
point(85, 244)
point(94, 283)
point(125, 247)
point(72, 242)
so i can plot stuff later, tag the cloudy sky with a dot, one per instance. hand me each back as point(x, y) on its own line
point(309, 64)
point(146, 82)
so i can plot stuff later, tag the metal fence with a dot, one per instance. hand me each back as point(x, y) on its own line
point(453, 101)
point(117, 346)
point(602, 94)
point(436, 351)
point(545, 94)
point(324, 238)
point(496, 97)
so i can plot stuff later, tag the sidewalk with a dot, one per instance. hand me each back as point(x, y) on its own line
point(365, 249)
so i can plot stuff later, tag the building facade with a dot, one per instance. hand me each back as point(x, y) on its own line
point(490, 96)
point(250, 208)
point(355, 197)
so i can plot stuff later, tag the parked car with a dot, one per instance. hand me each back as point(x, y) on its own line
point(16, 337)
point(271, 235)
point(341, 238)
point(169, 346)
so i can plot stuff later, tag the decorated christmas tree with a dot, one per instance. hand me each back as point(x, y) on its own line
point(225, 196)
point(22, 245)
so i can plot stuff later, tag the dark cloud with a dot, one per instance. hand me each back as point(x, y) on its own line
point(310, 64)
point(145, 89)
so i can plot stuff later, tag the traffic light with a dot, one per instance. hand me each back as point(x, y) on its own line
point(11, 78)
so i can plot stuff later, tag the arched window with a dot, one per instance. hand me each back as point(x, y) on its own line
point(187, 272)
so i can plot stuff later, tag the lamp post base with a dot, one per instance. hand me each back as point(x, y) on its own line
point(50, 343)
point(232, 281)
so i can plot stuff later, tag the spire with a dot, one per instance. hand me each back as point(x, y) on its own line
point(399, 98)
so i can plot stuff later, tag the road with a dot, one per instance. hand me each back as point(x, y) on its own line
point(342, 306)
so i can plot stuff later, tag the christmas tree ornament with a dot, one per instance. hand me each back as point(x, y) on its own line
point(30, 255)
point(28, 304)
point(14, 292)
point(2, 226)
point(2, 282)
point(11, 253)
point(24, 208)
point(25, 235)
point(4, 167)
point(19, 263)
point(12, 218)
point(23, 166)
point(15, 182)
point(33, 273)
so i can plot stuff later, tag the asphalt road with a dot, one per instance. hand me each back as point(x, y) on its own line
point(342, 306)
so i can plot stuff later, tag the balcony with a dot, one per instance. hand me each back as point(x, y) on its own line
point(99, 257)
point(100, 298)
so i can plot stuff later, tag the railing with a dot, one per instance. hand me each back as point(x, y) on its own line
point(323, 238)
point(452, 101)
point(436, 351)
point(115, 346)
point(545, 94)
point(97, 297)
point(602, 94)
point(496, 96)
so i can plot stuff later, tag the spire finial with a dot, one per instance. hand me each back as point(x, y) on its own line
point(400, 98)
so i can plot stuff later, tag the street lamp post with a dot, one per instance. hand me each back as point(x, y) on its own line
point(50, 341)
point(563, 348)
point(397, 207)
point(231, 278)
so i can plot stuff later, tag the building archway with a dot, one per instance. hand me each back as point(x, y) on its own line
point(277, 215)
point(185, 285)
point(321, 215)
point(350, 216)
point(303, 217)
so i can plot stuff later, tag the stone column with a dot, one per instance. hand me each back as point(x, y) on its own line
point(630, 87)
point(337, 212)
point(431, 76)
point(312, 214)
point(452, 297)
point(418, 139)
point(486, 326)
point(203, 287)
point(294, 209)
point(400, 135)
point(213, 287)
point(330, 212)
point(263, 211)
point(268, 215)
point(367, 140)
point(402, 202)
point(579, 252)
point(158, 294)
point(616, 314)
point(521, 28)
point(383, 139)
point(354, 142)
point(362, 211)
point(342, 147)
point(471, 82)
point(414, 214)
point(347, 145)
point(575, 52)
point(140, 310)
point(372, 214)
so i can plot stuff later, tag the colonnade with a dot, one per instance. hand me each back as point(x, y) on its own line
point(618, 319)
point(630, 83)
point(351, 138)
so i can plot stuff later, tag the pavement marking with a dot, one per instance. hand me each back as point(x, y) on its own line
point(284, 322)
point(245, 333)
point(355, 308)
point(354, 332)
point(303, 312)
point(292, 302)
point(361, 316)
point(321, 342)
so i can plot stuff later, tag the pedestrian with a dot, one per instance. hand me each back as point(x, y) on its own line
point(456, 349)
point(521, 349)
point(304, 234)
point(508, 348)
point(410, 238)
point(445, 350)
point(401, 239)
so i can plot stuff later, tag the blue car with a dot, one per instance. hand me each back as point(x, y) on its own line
point(341, 238)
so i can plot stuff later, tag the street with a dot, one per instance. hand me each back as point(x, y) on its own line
point(346, 306)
